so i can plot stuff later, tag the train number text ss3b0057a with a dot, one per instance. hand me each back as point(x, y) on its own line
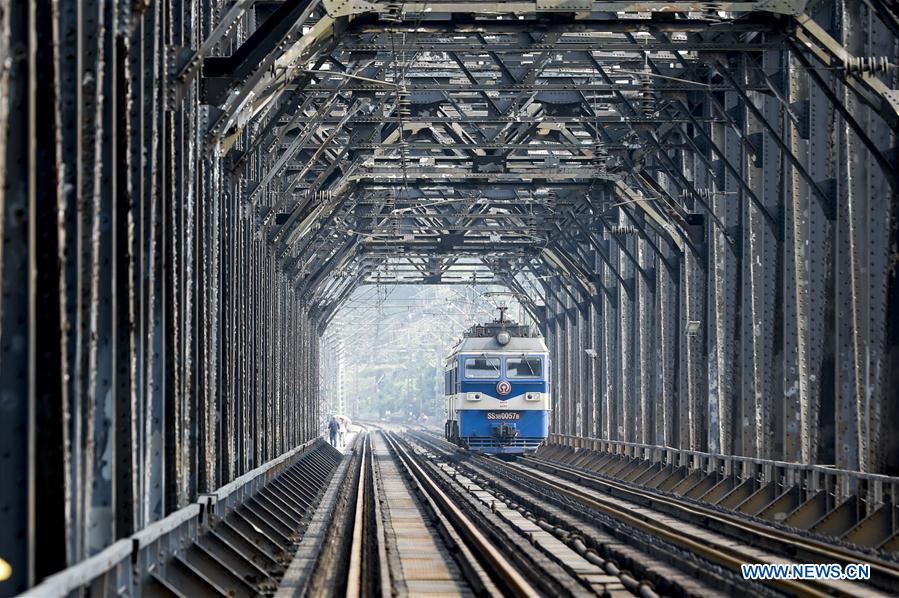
point(504, 415)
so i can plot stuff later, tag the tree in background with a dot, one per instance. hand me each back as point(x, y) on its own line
point(396, 339)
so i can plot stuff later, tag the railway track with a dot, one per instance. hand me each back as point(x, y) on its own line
point(486, 569)
point(885, 574)
point(411, 525)
point(568, 496)
point(412, 515)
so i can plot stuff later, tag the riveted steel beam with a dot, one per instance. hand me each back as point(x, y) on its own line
point(412, 10)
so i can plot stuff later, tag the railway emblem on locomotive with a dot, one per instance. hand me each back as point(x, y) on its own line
point(504, 387)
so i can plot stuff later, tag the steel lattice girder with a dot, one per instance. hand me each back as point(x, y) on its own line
point(653, 132)
point(451, 134)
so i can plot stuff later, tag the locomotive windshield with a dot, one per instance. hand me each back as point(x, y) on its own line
point(524, 367)
point(482, 367)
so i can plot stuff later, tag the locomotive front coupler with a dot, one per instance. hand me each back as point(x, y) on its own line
point(505, 431)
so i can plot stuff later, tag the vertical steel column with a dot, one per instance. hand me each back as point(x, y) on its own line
point(69, 77)
point(582, 418)
point(15, 342)
point(569, 349)
point(646, 334)
point(577, 365)
point(763, 171)
point(726, 281)
point(815, 255)
point(89, 98)
point(694, 412)
point(795, 304)
point(154, 404)
point(588, 340)
point(627, 299)
point(99, 516)
point(596, 430)
point(46, 428)
point(555, 314)
point(610, 353)
point(668, 332)
point(32, 507)
point(124, 271)
point(848, 401)
point(140, 206)
point(866, 228)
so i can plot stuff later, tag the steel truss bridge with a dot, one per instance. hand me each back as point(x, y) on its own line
point(696, 200)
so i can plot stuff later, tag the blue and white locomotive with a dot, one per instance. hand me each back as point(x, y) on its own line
point(497, 389)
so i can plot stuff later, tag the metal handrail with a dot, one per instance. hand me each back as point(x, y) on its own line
point(871, 488)
point(111, 568)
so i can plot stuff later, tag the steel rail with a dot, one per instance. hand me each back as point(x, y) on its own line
point(498, 564)
point(385, 575)
point(843, 555)
point(354, 582)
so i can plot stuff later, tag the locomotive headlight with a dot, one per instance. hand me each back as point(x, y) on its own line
point(503, 337)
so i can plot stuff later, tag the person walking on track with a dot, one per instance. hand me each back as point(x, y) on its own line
point(333, 428)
